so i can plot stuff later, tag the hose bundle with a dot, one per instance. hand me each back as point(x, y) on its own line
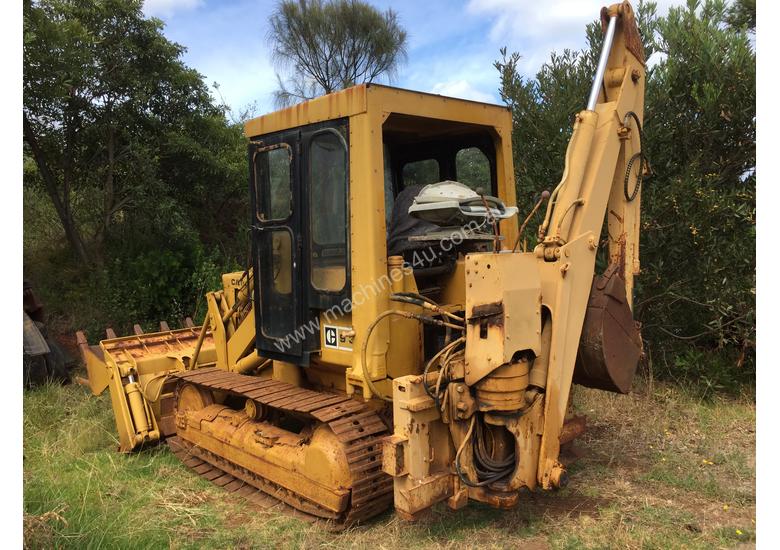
point(448, 320)
point(489, 470)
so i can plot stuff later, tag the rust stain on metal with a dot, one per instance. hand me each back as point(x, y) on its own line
point(573, 428)
point(492, 314)
point(610, 346)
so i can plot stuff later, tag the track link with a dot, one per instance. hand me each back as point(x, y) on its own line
point(355, 425)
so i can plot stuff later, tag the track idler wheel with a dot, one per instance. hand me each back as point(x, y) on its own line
point(192, 398)
point(610, 346)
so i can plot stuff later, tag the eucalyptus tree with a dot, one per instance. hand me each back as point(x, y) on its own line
point(328, 45)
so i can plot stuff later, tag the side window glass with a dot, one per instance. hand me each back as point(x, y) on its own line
point(473, 169)
point(421, 172)
point(276, 268)
point(328, 211)
point(273, 183)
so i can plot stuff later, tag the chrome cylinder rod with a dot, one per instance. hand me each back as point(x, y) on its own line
point(602, 68)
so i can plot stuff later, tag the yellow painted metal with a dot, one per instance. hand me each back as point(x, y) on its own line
point(406, 339)
point(368, 107)
point(419, 453)
point(503, 298)
point(98, 374)
point(134, 368)
point(346, 103)
point(368, 248)
point(287, 372)
point(454, 286)
point(311, 464)
point(241, 343)
point(524, 313)
point(567, 280)
point(532, 306)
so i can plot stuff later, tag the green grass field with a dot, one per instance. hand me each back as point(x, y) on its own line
point(658, 469)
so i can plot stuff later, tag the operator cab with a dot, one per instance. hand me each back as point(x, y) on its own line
point(423, 158)
point(322, 184)
point(420, 151)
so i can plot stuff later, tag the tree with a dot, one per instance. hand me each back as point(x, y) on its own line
point(329, 45)
point(742, 13)
point(104, 94)
point(146, 176)
point(696, 291)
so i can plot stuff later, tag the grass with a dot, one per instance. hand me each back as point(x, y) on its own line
point(658, 469)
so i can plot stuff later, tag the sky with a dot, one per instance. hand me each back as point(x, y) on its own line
point(452, 44)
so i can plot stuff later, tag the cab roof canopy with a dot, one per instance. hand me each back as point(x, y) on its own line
point(381, 101)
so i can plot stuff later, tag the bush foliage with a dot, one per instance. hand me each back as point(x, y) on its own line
point(130, 163)
point(696, 291)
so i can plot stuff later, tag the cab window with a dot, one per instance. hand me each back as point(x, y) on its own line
point(473, 169)
point(328, 211)
point(273, 187)
point(421, 172)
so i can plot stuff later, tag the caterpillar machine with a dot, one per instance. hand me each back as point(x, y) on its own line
point(393, 341)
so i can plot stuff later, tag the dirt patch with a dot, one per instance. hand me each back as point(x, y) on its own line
point(575, 505)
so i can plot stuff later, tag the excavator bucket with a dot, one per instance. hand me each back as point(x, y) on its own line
point(611, 345)
point(136, 371)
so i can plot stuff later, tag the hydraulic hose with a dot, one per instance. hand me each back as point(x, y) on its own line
point(488, 470)
point(443, 351)
point(370, 330)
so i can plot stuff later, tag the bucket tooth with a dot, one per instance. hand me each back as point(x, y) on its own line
point(110, 334)
point(164, 327)
point(81, 340)
point(137, 329)
point(188, 322)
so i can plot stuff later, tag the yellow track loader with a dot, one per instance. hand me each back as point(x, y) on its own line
point(393, 342)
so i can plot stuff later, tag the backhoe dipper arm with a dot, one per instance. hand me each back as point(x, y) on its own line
point(601, 178)
point(605, 147)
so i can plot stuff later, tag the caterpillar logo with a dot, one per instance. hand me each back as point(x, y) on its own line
point(336, 337)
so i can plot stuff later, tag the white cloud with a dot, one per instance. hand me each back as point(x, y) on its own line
point(535, 30)
point(451, 51)
point(462, 89)
point(513, 19)
point(655, 59)
point(166, 8)
point(226, 43)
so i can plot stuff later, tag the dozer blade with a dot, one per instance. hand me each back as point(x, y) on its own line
point(97, 373)
point(317, 452)
point(610, 346)
point(135, 369)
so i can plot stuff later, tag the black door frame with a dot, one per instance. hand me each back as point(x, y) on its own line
point(304, 339)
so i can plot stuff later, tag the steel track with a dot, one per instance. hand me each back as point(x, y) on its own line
point(355, 425)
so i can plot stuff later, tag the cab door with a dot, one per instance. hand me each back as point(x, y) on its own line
point(300, 236)
point(276, 242)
